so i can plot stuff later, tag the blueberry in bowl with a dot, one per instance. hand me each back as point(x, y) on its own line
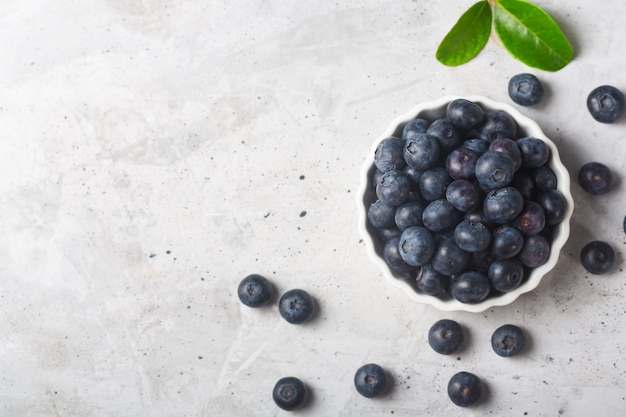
point(455, 185)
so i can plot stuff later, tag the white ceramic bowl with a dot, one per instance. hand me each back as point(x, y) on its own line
point(366, 195)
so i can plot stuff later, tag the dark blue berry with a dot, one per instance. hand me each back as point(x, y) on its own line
point(255, 291)
point(480, 261)
point(506, 274)
point(421, 151)
point(448, 258)
point(409, 214)
point(414, 175)
point(531, 220)
point(370, 380)
point(289, 393)
point(471, 236)
point(464, 195)
point(417, 245)
point(597, 257)
point(544, 178)
point(296, 306)
point(391, 255)
point(494, 169)
point(464, 114)
point(445, 336)
point(470, 287)
point(525, 184)
point(461, 163)
point(413, 127)
point(508, 340)
point(497, 124)
point(503, 204)
point(389, 154)
point(506, 242)
point(380, 215)
point(606, 104)
point(393, 188)
point(440, 215)
point(446, 134)
point(554, 205)
point(429, 281)
point(595, 178)
point(480, 146)
point(509, 147)
point(433, 183)
point(535, 152)
point(525, 89)
point(535, 251)
point(465, 389)
point(386, 234)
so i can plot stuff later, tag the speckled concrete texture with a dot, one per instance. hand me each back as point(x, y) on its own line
point(153, 153)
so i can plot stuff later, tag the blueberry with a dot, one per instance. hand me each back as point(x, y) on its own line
point(461, 163)
point(503, 204)
point(506, 274)
point(481, 261)
point(370, 380)
point(497, 124)
point(494, 169)
point(480, 146)
point(380, 215)
point(508, 340)
point(535, 251)
point(477, 216)
point(531, 220)
point(255, 291)
point(289, 393)
point(595, 178)
point(471, 236)
point(465, 389)
point(464, 195)
point(606, 104)
point(416, 245)
point(386, 234)
point(544, 178)
point(470, 287)
point(389, 154)
point(421, 151)
point(393, 188)
point(391, 255)
point(409, 214)
point(446, 134)
point(525, 89)
point(525, 184)
point(554, 206)
point(445, 336)
point(433, 183)
point(296, 306)
point(413, 127)
point(429, 281)
point(509, 147)
point(506, 242)
point(449, 259)
point(464, 114)
point(440, 215)
point(597, 257)
point(414, 175)
point(535, 152)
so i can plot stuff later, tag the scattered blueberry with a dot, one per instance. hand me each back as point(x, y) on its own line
point(597, 257)
point(595, 178)
point(508, 340)
point(465, 389)
point(370, 380)
point(525, 89)
point(289, 393)
point(445, 336)
point(255, 291)
point(606, 104)
point(296, 306)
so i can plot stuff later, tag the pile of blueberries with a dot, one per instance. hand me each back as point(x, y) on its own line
point(465, 205)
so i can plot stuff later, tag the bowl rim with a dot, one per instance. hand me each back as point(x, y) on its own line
point(562, 230)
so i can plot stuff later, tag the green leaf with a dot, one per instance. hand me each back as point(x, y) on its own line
point(467, 37)
point(531, 35)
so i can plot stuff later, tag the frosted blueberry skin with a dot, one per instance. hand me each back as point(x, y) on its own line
point(508, 340)
point(255, 291)
point(497, 124)
point(393, 188)
point(296, 306)
point(470, 287)
point(465, 389)
point(464, 114)
point(371, 380)
point(391, 254)
point(389, 154)
point(413, 127)
point(289, 393)
point(494, 170)
point(595, 178)
point(606, 104)
point(445, 336)
point(506, 274)
point(429, 281)
point(597, 257)
point(525, 89)
point(416, 245)
point(446, 134)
